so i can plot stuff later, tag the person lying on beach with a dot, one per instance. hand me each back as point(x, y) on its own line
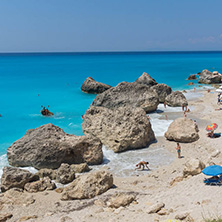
point(142, 164)
point(218, 109)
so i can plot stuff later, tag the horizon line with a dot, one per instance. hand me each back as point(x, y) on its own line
point(82, 52)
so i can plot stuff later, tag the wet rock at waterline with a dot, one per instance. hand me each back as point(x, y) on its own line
point(192, 77)
point(207, 77)
point(162, 91)
point(146, 79)
point(176, 99)
point(94, 87)
point(14, 177)
point(120, 129)
point(48, 146)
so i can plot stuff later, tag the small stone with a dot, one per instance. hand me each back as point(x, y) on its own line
point(176, 180)
point(27, 218)
point(4, 217)
point(100, 210)
point(215, 153)
point(108, 209)
point(155, 208)
point(100, 203)
point(170, 210)
point(66, 219)
point(48, 214)
point(181, 216)
point(59, 190)
point(117, 211)
point(207, 201)
point(162, 212)
point(121, 200)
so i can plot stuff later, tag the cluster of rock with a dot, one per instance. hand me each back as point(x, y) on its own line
point(84, 187)
point(207, 77)
point(145, 92)
point(116, 117)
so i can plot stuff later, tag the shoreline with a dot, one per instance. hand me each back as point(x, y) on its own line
point(190, 195)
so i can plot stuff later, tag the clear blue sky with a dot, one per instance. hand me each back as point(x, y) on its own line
point(114, 25)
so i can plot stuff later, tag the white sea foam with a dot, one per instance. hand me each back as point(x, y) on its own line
point(190, 95)
point(4, 162)
point(168, 109)
point(123, 164)
point(160, 126)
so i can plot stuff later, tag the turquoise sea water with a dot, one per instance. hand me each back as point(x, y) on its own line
point(28, 81)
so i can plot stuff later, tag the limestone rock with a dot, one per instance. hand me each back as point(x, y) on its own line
point(80, 168)
point(121, 200)
point(176, 99)
point(155, 208)
point(5, 217)
point(48, 146)
point(120, 129)
point(216, 153)
point(176, 180)
point(16, 196)
point(162, 91)
point(162, 212)
point(207, 77)
point(40, 185)
point(65, 174)
point(47, 173)
point(182, 130)
point(59, 190)
point(25, 218)
point(181, 216)
point(192, 77)
point(146, 79)
point(15, 177)
point(193, 167)
point(88, 186)
point(128, 94)
point(94, 87)
point(190, 83)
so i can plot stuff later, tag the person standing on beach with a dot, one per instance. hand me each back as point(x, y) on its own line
point(183, 107)
point(165, 104)
point(178, 148)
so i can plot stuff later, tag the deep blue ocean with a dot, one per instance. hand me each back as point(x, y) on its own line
point(28, 81)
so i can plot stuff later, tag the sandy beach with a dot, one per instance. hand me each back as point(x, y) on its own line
point(189, 196)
